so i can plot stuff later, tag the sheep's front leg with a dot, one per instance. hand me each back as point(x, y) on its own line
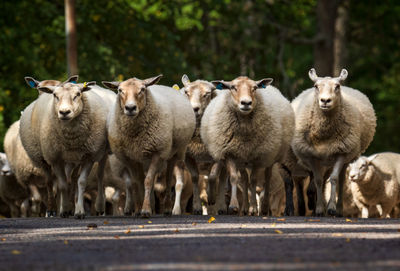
point(85, 171)
point(265, 206)
point(59, 171)
point(221, 204)
point(51, 200)
point(318, 182)
point(194, 172)
point(148, 185)
point(337, 168)
point(256, 174)
point(178, 171)
point(128, 191)
point(36, 199)
point(234, 180)
point(101, 199)
point(212, 181)
point(244, 210)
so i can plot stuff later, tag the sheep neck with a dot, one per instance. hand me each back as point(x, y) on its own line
point(369, 184)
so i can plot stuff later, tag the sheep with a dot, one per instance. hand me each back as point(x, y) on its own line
point(334, 125)
point(150, 125)
point(64, 131)
point(248, 124)
point(375, 180)
point(200, 93)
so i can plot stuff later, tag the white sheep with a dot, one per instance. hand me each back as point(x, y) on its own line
point(151, 125)
point(64, 131)
point(249, 124)
point(375, 181)
point(334, 125)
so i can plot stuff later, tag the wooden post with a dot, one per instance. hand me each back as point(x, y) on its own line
point(70, 32)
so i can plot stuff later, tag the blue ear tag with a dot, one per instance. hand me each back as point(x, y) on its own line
point(32, 84)
point(262, 85)
point(73, 82)
point(219, 86)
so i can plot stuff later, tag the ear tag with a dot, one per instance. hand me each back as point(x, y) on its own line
point(84, 84)
point(32, 84)
point(73, 82)
point(219, 86)
point(176, 87)
point(262, 85)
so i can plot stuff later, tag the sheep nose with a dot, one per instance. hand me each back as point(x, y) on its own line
point(5, 172)
point(246, 102)
point(130, 108)
point(65, 112)
point(325, 101)
point(196, 109)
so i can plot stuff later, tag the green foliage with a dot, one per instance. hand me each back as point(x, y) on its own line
point(210, 39)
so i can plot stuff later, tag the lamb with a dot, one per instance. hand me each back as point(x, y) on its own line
point(249, 124)
point(334, 125)
point(200, 93)
point(150, 125)
point(375, 181)
point(64, 131)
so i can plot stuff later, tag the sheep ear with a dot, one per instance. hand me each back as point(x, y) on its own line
point(313, 75)
point(113, 85)
point(86, 86)
point(47, 89)
point(221, 84)
point(371, 158)
point(185, 80)
point(343, 75)
point(32, 82)
point(263, 83)
point(153, 80)
point(73, 79)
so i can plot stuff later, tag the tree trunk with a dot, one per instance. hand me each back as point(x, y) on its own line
point(323, 49)
point(340, 52)
point(70, 31)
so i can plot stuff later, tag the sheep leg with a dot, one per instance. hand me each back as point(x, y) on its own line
point(234, 175)
point(36, 199)
point(256, 174)
point(71, 181)
point(212, 181)
point(265, 208)
point(311, 194)
point(168, 180)
point(194, 172)
point(342, 179)
point(364, 212)
point(337, 168)
point(148, 185)
point(178, 171)
point(318, 182)
point(221, 204)
point(128, 190)
point(288, 180)
point(101, 198)
point(79, 207)
point(115, 199)
point(51, 200)
point(299, 183)
point(59, 171)
point(244, 210)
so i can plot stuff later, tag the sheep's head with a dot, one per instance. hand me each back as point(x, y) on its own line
point(5, 169)
point(132, 93)
point(33, 83)
point(358, 169)
point(327, 89)
point(67, 96)
point(199, 93)
point(243, 91)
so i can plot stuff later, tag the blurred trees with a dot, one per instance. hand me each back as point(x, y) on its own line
point(210, 39)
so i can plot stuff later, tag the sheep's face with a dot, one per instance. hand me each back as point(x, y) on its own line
point(243, 92)
point(132, 93)
point(359, 168)
point(327, 89)
point(199, 93)
point(67, 98)
point(5, 169)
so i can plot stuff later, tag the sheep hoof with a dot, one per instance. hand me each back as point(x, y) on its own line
point(64, 214)
point(233, 210)
point(51, 214)
point(100, 214)
point(331, 212)
point(167, 213)
point(289, 212)
point(197, 212)
point(221, 212)
point(79, 216)
point(144, 214)
point(319, 214)
point(127, 213)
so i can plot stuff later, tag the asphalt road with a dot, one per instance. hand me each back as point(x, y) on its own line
point(192, 243)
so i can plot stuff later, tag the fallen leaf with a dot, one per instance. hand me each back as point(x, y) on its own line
point(264, 217)
point(194, 224)
point(3, 239)
point(281, 219)
point(176, 230)
point(105, 222)
point(91, 226)
point(348, 220)
point(15, 252)
point(273, 225)
point(278, 231)
point(211, 219)
point(397, 230)
point(348, 240)
point(65, 242)
point(313, 220)
point(149, 222)
point(337, 234)
point(116, 236)
point(243, 226)
point(141, 227)
point(128, 231)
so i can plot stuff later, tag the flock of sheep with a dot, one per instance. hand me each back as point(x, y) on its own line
point(236, 147)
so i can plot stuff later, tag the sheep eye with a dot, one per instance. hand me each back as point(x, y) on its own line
point(234, 88)
point(78, 94)
point(206, 94)
point(337, 87)
point(55, 96)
